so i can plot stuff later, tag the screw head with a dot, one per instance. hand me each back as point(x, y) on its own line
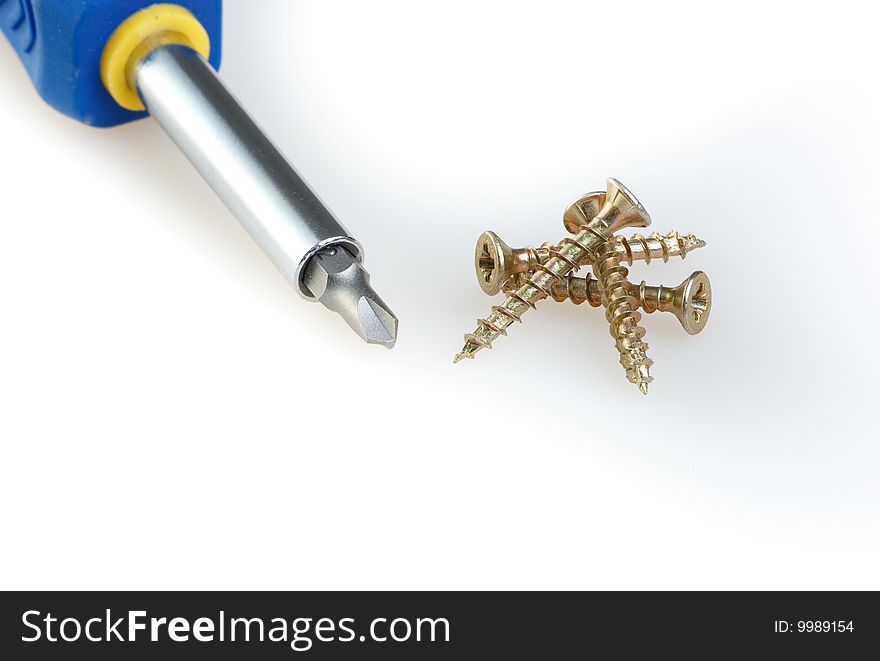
point(583, 211)
point(692, 302)
point(493, 260)
point(622, 208)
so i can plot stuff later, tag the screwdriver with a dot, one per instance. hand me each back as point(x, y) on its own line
point(108, 62)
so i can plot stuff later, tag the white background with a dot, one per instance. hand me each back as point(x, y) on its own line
point(173, 416)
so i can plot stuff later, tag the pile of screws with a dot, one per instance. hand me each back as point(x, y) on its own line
point(528, 275)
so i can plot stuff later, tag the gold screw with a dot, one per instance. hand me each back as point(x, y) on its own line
point(621, 311)
point(621, 209)
point(496, 262)
point(690, 302)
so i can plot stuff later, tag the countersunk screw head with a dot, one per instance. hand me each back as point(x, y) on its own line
point(494, 262)
point(692, 302)
point(583, 211)
point(622, 208)
point(617, 208)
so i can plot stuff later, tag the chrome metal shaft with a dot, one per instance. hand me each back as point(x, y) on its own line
point(252, 177)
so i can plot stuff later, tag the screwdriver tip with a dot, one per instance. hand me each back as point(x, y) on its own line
point(341, 284)
point(376, 323)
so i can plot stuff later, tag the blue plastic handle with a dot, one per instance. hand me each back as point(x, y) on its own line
point(60, 43)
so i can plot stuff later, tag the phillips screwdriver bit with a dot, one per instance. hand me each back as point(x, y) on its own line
point(339, 282)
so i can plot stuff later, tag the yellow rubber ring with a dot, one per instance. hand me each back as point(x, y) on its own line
point(163, 23)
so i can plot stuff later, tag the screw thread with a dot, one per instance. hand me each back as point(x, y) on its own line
point(638, 248)
point(564, 258)
point(579, 290)
point(571, 288)
point(620, 310)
